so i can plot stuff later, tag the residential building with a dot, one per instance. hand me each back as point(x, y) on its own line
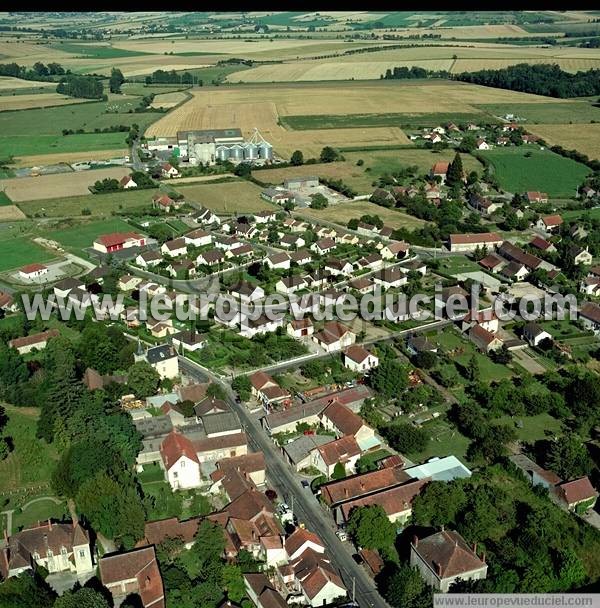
point(188, 340)
point(358, 359)
point(548, 223)
point(212, 257)
point(57, 547)
point(440, 169)
point(323, 246)
point(133, 572)
point(148, 259)
point(262, 593)
point(445, 557)
point(343, 421)
point(389, 278)
point(33, 271)
point(395, 250)
point(39, 341)
point(278, 261)
point(578, 495)
point(484, 340)
point(290, 284)
point(334, 336)
point(300, 328)
point(168, 170)
point(180, 461)
point(589, 313)
point(338, 267)
point(471, 242)
point(162, 358)
point(344, 450)
point(109, 243)
point(198, 238)
point(534, 334)
point(580, 255)
point(536, 197)
point(299, 451)
point(126, 182)
point(245, 291)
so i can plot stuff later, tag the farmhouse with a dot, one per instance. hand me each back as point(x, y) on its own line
point(492, 262)
point(36, 341)
point(57, 547)
point(516, 254)
point(542, 244)
point(266, 389)
point(109, 243)
point(165, 203)
point(440, 169)
point(7, 302)
point(168, 170)
point(470, 242)
point(344, 450)
point(33, 271)
point(445, 557)
point(534, 333)
point(485, 340)
point(578, 492)
point(536, 197)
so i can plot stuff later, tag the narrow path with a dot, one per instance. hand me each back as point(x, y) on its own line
point(55, 500)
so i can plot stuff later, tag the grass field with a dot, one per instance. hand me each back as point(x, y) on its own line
point(17, 252)
point(39, 100)
point(32, 461)
point(582, 137)
point(27, 145)
point(413, 121)
point(60, 184)
point(552, 112)
point(228, 197)
point(87, 116)
point(544, 171)
point(343, 212)
point(81, 236)
point(591, 214)
point(33, 160)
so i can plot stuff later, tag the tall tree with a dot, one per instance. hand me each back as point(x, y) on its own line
point(143, 379)
point(116, 80)
point(371, 528)
point(455, 174)
point(297, 158)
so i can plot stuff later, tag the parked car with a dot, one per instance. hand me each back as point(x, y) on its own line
point(341, 534)
point(305, 484)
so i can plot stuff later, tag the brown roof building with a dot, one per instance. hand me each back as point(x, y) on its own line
point(578, 491)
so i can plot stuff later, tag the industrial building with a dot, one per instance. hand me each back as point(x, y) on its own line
point(209, 146)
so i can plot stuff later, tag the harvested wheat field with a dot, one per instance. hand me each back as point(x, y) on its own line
point(226, 197)
point(53, 186)
point(8, 82)
point(342, 213)
point(582, 137)
point(9, 213)
point(39, 100)
point(168, 100)
point(262, 106)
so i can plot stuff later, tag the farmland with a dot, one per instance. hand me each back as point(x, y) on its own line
point(81, 236)
point(542, 170)
point(582, 137)
point(32, 160)
point(168, 100)
point(343, 212)
point(19, 251)
point(28, 145)
point(552, 112)
point(60, 184)
point(226, 197)
point(39, 100)
point(223, 106)
point(97, 204)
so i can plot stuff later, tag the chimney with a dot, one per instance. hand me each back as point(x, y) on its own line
point(415, 541)
point(438, 568)
point(148, 582)
point(346, 492)
point(475, 548)
point(483, 557)
point(362, 484)
point(442, 527)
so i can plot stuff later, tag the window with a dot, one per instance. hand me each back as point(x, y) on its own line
point(183, 464)
point(82, 553)
point(175, 475)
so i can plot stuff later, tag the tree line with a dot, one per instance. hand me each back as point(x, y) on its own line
point(85, 87)
point(39, 71)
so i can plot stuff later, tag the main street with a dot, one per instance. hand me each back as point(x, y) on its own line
point(306, 506)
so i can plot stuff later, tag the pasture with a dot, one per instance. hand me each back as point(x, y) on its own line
point(343, 212)
point(97, 204)
point(20, 251)
point(529, 168)
point(582, 137)
point(82, 235)
point(28, 145)
point(226, 197)
point(60, 184)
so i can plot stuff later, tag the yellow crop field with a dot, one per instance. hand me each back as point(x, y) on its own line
point(168, 100)
point(566, 63)
point(53, 186)
point(40, 100)
point(8, 82)
point(9, 213)
point(582, 137)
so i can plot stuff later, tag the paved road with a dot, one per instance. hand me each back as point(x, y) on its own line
point(306, 506)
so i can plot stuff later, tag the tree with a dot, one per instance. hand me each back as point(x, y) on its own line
point(406, 438)
point(439, 504)
point(318, 201)
point(205, 554)
point(215, 391)
point(161, 232)
point(569, 458)
point(328, 155)
point(390, 378)
point(371, 528)
point(82, 598)
point(232, 582)
point(455, 172)
point(4, 449)
point(425, 359)
point(26, 591)
point(242, 386)
point(297, 158)
point(339, 471)
point(143, 380)
point(116, 80)
point(472, 370)
point(405, 588)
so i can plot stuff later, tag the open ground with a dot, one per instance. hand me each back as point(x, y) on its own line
point(17, 252)
point(343, 212)
point(582, 137)
point(60, 184)
point(39, 100)
point(226, 197)
point(81, 236)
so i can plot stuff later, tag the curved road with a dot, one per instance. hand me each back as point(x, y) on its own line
point(306, 506)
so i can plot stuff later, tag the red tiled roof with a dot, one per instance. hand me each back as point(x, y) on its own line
point(117, 238)
point(591, 311)
point(299, 537)
point(339, 450)
point(577, 490)
point(447, 554)
point(31, 268)
point(357, 353)
point(468, 239)
point(482, 335)
point(490, 261)
point(174, 446)
point(260, 379)
point(34, 339)
point(440, 168)
point(552, 220)
point(343, 418)
point(156, 532)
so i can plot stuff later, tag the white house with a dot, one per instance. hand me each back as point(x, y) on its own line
point(174, 248)
point(548, 223)
point(344, 450)
point(334, 336)
point(359, 359)
point(337, 267)
point(278, 261)
point(162, 358)
point(168, 170)
point(148, 259)
point(290, 284)
point(126, 182)
point(534, 334)
point(33, 271)
point(300, 328)
point(198, 238)
point(180, 461)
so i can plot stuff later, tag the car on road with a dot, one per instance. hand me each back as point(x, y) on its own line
point(305, 484)
point(341, 534)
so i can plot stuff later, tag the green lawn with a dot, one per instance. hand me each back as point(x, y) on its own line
point(96, 51)
point(345, 121)
point(584, 214)
point(534, 427)
point(374, 457)
point(30, 124)
point(81, 236)
point(4, 200)
point(98, 204)
point(458, 264)
point(39, 511)
point(543, 170)
point(151, 473)
point(17, 252)
point(29, 145)
point(561, 329)
point(32, 461)
point(547, 113)
point(444, 440)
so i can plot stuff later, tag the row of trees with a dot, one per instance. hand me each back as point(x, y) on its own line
point(85, 87)
point(404, 73)
point(39, 71)
point(542, 79)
